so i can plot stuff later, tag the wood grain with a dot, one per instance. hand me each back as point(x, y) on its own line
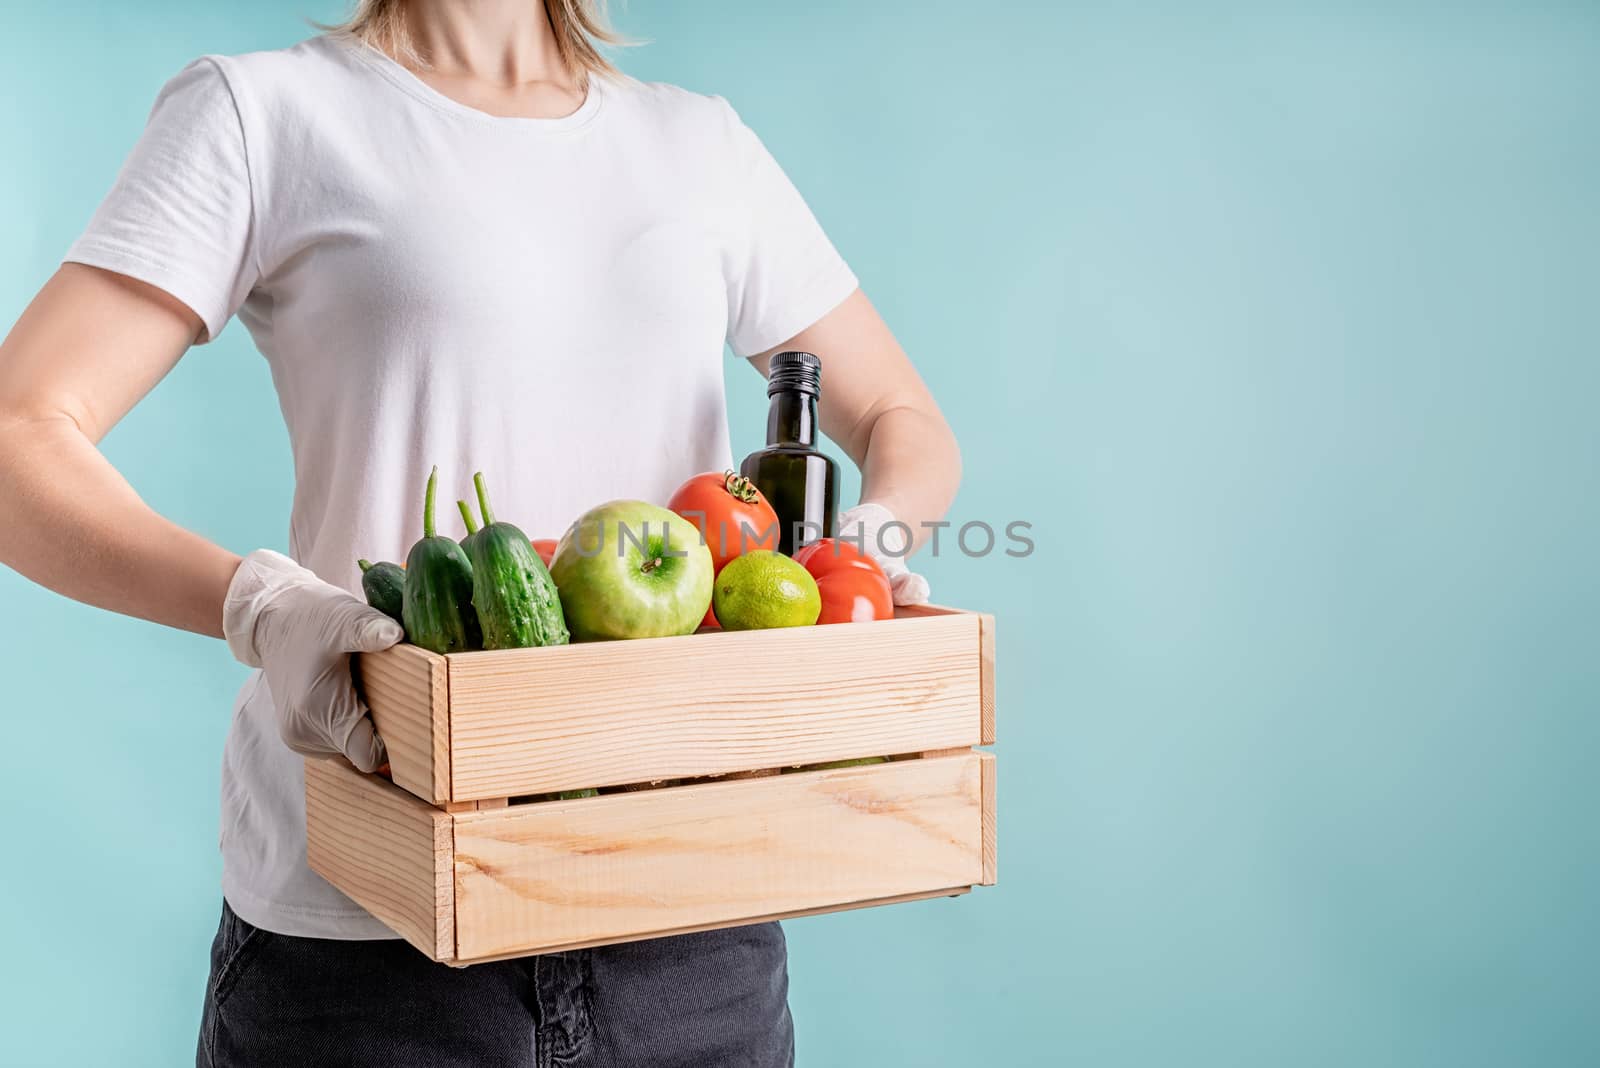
point(407, 692)
point(986, 678)
point(623, 865)
point(386, 850)
point(528, 721)
point(989, 830)
point(923, 611)
point(792, 914)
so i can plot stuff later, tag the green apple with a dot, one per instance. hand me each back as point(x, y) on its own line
point(628, 569)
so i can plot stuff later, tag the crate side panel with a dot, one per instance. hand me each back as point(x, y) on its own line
point(384, 849)
point(990, 826)
point(537, 720)
point(621, 865)
point(986, 677)
point(791, 914)
point(406, 691)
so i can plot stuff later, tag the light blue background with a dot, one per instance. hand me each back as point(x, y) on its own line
point(1276, 320)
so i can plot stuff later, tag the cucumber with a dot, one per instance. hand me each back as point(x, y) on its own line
point(512, 590)
point(437, 609)
point(467, 518)
point(385, 586)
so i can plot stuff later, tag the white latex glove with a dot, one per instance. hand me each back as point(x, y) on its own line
point(300, 631)
point(867, 526)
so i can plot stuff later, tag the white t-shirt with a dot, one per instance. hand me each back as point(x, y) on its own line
point(542, 299)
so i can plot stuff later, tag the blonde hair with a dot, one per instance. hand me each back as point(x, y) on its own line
point(579, 26)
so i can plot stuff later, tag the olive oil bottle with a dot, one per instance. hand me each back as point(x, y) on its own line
point(800, 483)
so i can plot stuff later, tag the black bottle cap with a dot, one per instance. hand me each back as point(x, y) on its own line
point(799, 371)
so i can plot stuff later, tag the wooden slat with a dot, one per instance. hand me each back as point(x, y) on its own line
point(986, 677)
point(475, 806)
point(792, 914)
point(527, 721)
point(923, 611)
point(606, 868)
point(990, 836)
point(384, 849)
point(406, 690)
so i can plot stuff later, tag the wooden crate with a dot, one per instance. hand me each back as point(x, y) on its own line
point(460, 857)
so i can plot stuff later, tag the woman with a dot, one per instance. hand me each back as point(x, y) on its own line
point(458, 237)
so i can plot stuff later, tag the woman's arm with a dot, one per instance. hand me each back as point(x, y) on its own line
point(875, 405)
point(85, 351)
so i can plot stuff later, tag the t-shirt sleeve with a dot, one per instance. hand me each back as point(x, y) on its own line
point(179, 216)
point(783, 273)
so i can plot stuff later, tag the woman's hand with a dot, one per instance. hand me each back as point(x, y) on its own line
point(881, 536)
point(300, 631)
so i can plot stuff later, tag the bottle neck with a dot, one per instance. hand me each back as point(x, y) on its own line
point(792, 419)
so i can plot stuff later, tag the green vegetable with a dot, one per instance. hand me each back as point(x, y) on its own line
point(512, 590)
point(564, 795)
point(385, 586)
point(466, 517)
point(834, 764)
point(437, 611)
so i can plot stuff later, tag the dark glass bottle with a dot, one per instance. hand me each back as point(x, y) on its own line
point(800, 483)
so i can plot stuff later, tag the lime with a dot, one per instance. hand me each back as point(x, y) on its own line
point(764, 589)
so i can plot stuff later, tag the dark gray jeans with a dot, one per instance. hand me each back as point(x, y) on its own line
point(712, 999)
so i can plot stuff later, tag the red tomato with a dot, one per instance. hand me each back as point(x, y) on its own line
point(854, 597)
point(854, 588)
point(545, 547)
point(827, 555)
point(732, 515)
